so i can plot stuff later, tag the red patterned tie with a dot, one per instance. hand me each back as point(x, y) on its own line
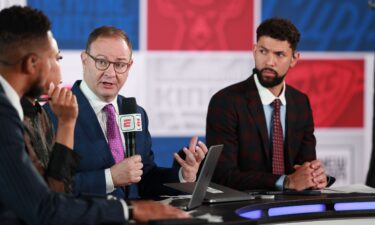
point(277, 141)
point(113, 134)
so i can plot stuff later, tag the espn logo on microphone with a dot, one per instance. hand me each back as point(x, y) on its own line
point(130, 122)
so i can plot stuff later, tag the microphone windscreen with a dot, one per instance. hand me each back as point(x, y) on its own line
point(129, 105)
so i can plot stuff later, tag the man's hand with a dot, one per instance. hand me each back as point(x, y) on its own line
point(301, 179)
point(128, 171)
point(63, 103)
point(144, 211)
point(194, 156)
point(309, 175)
point(319, 175)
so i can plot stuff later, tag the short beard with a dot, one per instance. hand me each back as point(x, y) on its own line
point(35, 90)
point(270, 83)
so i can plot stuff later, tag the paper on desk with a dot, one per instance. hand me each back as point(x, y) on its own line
point(210, 218)
point(357, 188)
point(169, 198)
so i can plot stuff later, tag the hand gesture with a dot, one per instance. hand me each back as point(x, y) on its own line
point(194, 156)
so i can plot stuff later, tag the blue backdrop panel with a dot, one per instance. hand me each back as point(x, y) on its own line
point(164, 147)
point(333, 25)
point(72, 20)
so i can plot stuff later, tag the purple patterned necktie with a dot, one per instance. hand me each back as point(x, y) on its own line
point(277, 141)
point(113, 134)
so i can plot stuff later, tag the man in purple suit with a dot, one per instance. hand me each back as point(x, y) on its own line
point(266, 147)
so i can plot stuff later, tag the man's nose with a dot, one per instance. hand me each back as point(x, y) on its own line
point(270, 60)
point(110, 71)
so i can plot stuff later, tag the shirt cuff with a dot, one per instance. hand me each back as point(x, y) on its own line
point(123, 204)
point(109, 186)
point(125, 208)
point(181, 178)
point(280, 183)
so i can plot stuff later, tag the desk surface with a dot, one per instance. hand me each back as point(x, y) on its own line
point(292, 209)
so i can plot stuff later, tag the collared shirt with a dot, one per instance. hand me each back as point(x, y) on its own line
point(267, 98)
point(97, 104)
point(13, 97)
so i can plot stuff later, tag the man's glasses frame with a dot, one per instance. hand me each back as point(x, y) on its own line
point(103, 64)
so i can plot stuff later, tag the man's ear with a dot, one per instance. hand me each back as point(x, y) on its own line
point(254, 48)
point(29, 64)
point(130, 64)
point(294, 59)
point(83, 57)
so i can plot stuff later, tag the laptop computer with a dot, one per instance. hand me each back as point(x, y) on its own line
point(202, 189)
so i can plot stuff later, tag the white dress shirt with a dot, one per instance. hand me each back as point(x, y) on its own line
point(97, 104)
point(267, 99)
point(12, 96)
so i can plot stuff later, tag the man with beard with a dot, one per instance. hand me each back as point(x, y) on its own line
point(265, 125)
point(51, 154)
point(27, 58)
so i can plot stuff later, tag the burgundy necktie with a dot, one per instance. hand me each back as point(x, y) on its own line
point(277, 141)
point(113, 134)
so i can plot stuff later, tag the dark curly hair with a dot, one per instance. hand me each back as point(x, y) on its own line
point(280, 29)
point(20, 30)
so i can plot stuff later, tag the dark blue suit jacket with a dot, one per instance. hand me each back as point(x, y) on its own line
point(25, 197)
point(91, 145)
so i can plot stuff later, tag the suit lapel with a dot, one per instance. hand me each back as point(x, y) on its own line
point(90, 125)
point(291, 110)
point(256, 110)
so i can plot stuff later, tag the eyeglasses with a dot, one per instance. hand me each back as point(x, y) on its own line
point(103, 64)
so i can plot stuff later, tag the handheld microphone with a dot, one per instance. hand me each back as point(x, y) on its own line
point(130, 122)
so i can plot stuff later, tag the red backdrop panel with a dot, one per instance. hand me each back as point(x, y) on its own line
point(335, 89)
point(200, 25)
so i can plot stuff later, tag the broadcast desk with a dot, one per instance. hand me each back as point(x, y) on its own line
point(331, 207)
